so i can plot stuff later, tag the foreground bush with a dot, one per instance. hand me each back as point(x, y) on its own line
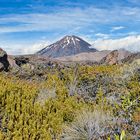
point(92, 125)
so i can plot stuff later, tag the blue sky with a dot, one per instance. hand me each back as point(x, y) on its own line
point(108, 24)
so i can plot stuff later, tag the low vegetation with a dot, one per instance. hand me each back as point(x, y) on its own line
point(71, 103)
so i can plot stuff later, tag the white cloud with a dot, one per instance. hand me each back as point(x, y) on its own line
point(117, 28)
point(101, 35)
point(131, 43)
point(34, 48)
point(24, 48)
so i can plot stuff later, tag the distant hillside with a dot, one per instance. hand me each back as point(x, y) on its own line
point(115, 57)
point(131, 58)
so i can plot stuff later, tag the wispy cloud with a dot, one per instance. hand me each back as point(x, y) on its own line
point(116, 28)
point(67, 18)
point(137, 2)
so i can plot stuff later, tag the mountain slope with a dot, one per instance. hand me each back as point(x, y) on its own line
point(86, 56)
point(67, 46)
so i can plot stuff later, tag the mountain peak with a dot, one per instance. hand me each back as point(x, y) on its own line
point(71, 36)
point(69, 45)
point(72, 39)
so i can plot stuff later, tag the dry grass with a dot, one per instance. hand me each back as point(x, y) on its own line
point(90, 126)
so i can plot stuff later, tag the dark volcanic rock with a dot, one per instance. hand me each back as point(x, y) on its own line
point(21, 60)
point(69, 45)
point(4, 63)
